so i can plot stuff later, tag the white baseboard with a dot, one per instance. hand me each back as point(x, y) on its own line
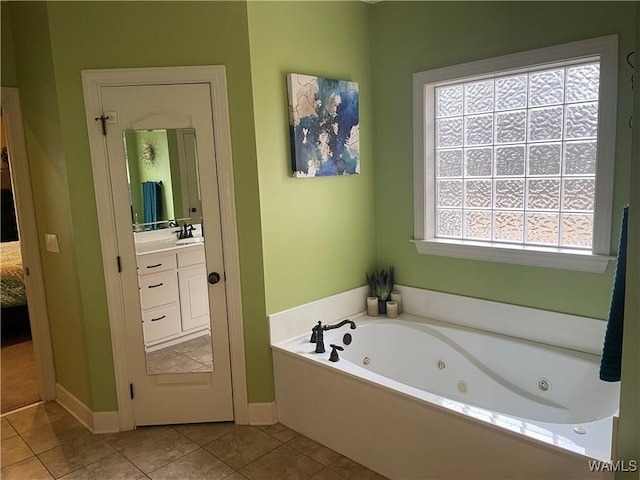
point(106, 422)
point(263, 413)
point(96, 422)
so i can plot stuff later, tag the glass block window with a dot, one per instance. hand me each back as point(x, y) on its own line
point(515, 156)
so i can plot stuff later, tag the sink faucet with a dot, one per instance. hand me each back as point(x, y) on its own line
point(317, 333)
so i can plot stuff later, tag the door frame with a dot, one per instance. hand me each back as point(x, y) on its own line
point(29, 244)
point(215, 76)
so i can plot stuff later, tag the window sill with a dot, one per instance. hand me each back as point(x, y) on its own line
point(516, 254)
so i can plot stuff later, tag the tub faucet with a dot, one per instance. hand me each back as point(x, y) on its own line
point(338, 325)
point(317, 337)
point(317, 333)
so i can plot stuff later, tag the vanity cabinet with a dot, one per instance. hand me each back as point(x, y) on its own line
point(193, 289)
point(173, 296)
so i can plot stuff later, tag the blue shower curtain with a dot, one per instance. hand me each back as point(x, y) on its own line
point(151, 203)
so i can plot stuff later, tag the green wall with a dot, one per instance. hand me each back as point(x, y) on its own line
point(417, 36)
point(161, 172)
point(171, 33)
point(8, 69)
point(47, 162)
point(318, 234)
point(176, 178)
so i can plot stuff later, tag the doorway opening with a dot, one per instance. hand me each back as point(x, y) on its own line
point(19, 374)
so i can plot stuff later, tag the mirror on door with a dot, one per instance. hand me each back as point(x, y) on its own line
point(164, 191)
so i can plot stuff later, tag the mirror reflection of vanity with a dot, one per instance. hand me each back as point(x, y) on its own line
point(164, 190)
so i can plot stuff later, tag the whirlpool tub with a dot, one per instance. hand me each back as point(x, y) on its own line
point(415, 398)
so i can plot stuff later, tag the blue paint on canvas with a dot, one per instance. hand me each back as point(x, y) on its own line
point(324, 126)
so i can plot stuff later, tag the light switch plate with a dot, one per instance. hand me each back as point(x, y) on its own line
point(51, 241)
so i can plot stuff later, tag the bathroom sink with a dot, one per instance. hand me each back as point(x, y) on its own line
point(166, 244)
point(157, 245)
point(190, 241)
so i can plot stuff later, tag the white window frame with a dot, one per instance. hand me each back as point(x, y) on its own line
point(424, 84)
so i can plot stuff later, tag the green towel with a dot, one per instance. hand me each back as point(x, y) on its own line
point(611, 360)
point(151, 202)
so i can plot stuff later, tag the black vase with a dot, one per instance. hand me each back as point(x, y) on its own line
point(382, 306)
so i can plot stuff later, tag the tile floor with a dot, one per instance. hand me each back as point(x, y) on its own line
point(190, 356)
point(18, 376)
point(45, 442)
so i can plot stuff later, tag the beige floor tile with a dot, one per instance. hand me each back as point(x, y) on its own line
point(121, 440)
point(198, 465)
point(312, 449)
point(36, 416)
point(19, 377)
point(14, 450)
point(279, 432)
point(54, 434)
point(170, 361)
point(236, 476)
point(156, 451)
point(327, 474)
point(203, 433)
point(242, 446)
point(30, 469)
point(113, 467)
point(283, 463)
point(6, 430)
point(79, 452)
point(354, 471)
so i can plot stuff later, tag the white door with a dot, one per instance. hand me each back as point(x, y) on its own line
point(192, 395)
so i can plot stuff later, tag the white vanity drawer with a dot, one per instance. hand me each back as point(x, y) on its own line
point(158, 289)
point(191, 256)
point(159, 323)
point(158, 262)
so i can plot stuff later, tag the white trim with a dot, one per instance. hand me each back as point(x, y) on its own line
point(75, 407)
point(527, 323)
point(29, 244)
point(96, 422)
point(215, 76)
point(263, 413)
point(424, 196)
point(515, 254)
point(106, 422)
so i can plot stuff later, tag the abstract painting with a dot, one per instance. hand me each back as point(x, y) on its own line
point(324, 125)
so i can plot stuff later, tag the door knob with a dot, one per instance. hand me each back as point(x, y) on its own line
point(213, 278)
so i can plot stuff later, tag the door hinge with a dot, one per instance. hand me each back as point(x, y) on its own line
point(131, 390)
point(107, 117)
point(26, 270)
point(119, 264)
point(103, 120)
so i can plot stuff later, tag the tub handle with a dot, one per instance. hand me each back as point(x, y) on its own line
point(334, 352)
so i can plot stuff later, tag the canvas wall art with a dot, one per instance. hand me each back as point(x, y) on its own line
point(324, 125)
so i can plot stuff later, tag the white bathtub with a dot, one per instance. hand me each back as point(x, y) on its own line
point(415, 398)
